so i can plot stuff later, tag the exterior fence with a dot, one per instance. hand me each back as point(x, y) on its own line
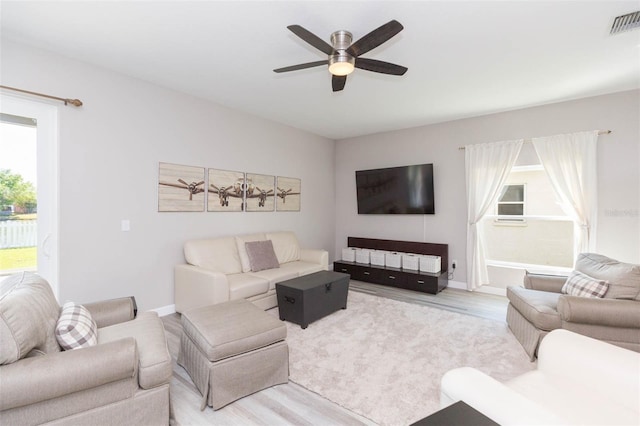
point(18, 233)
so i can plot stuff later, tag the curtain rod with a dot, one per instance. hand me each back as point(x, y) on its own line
point(600, 132)
point(74, 102)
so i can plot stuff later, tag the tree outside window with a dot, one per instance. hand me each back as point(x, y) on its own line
point(16, 194)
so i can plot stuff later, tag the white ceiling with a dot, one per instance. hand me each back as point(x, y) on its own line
point(464, 58)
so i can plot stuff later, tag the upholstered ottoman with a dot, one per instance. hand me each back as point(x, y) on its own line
point(232, 350)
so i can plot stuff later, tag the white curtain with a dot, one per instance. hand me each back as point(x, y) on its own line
point(570, 163)
point(487, 167)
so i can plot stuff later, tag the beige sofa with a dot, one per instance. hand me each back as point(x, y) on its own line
point(123, 379)
point(540, 307)
point(578, 381)
point(219, 269)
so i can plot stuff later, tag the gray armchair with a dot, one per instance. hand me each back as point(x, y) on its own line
point(123, 379)
point(539, 307)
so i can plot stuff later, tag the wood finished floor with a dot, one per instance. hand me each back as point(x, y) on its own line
point(291, 404)
point(462, 301)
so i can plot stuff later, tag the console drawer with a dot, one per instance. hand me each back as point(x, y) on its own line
point(392, 278)
point(425, 284)
point(372, 275)
point(359, 272)
point(344, 268)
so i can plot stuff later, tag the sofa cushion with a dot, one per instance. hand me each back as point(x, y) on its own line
point(274, 276)
point(216, 254)
point(285, 244)
point(623, 278)
point(76, 328)
point(261, 255)
point(28, 315)
point(242, 286)
point(301, 268)
point(154, 363)
point(242, 250)
point(538, 307)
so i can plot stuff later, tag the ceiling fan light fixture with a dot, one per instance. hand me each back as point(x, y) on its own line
point(341, 64)
point(343, 54)
point(341, 40)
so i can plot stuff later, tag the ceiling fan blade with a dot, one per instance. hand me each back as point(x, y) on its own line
point(302, 66)
point(312, 39)
point(337, 83)
point(380, 66)
point(375, 38)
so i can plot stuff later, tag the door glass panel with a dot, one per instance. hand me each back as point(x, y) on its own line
point(18, 194)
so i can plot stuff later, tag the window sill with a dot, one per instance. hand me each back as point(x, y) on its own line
point(536, 269)
point(510, 222)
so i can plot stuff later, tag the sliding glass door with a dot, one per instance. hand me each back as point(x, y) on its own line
point(28, 188)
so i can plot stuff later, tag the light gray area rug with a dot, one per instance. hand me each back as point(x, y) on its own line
point(384, 359)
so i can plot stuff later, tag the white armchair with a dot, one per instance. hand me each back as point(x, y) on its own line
point(579, 380)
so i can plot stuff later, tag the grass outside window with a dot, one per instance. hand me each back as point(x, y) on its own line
point(18, 258)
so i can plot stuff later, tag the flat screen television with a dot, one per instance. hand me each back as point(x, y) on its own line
point(396, 190)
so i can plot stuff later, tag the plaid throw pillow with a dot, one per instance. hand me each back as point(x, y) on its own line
point(75, 328)
point(579, 284)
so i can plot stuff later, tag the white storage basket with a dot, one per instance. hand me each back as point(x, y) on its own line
point(410, 261)
point(432, 264)
point(349, 254)
point(377, 257)
point(393, 260)
point(363, 256)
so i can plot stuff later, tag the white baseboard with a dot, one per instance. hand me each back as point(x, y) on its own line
point(459, 285)
point(165, 310)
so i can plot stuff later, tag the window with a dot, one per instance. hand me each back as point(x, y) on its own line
point(18, 196)
point(528, 226)
point(511, 203)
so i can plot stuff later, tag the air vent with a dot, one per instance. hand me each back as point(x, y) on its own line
point(625, 22)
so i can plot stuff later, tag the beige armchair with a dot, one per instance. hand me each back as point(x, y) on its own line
point(539, 307)
point(578, 381)
point(123, 379)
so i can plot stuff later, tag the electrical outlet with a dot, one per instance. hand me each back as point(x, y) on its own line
point(453, 264)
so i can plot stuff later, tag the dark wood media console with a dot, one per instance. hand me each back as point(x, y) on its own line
point(398, 277)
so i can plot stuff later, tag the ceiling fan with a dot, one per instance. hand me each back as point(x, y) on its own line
point(344, 56)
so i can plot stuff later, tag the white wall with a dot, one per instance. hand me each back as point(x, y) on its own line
point(618, 172)
point(109, 153)
point(110, 148)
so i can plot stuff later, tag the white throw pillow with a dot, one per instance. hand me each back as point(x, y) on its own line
point(241, 240)
point(75, 328)
point(285, 244)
